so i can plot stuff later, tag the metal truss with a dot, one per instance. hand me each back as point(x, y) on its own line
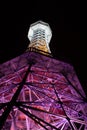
point(41, 93)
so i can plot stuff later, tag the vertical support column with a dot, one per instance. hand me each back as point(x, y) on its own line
point(13, 125)
point(27, 118)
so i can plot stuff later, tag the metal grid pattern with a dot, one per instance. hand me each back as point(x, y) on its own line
point(38, 92)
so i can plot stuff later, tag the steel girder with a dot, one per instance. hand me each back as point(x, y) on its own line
point(51, 96)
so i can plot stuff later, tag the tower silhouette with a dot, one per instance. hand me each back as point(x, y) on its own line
point(39, 92)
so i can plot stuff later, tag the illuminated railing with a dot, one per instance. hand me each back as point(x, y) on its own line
point(39, 51)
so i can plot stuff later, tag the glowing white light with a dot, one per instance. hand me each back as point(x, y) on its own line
point(40, 25)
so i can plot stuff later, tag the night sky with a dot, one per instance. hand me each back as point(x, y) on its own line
point(69, 30)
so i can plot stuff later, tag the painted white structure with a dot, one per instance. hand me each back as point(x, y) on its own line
point(40, 35)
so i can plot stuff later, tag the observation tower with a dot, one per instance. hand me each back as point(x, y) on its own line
point(39, 92)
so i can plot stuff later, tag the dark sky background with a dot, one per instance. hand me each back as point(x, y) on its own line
point(69, 29)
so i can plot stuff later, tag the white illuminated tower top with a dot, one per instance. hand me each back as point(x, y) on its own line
point(40, 35)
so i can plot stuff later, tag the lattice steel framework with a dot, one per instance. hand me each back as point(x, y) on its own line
point(38, 92)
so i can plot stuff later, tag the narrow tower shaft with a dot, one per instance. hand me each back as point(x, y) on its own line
point(40, 35)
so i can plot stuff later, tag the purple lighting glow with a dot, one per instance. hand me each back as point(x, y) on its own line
point(50, 98)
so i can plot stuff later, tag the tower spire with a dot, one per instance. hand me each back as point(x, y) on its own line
point(40, 35)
